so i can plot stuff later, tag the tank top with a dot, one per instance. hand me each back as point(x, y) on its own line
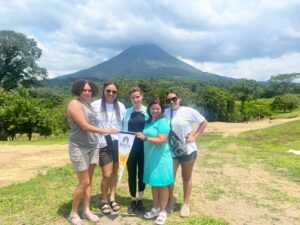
point(79, 137)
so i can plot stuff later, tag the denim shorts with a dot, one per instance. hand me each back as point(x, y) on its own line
point(185, 158)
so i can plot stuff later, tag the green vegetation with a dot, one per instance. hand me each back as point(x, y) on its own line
point(43, 111)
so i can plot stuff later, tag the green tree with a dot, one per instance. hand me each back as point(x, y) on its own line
point(18, 56)
point(218, 103)
point(285, 103)
point(22, 114)
point(283, 83)
point(246, 90)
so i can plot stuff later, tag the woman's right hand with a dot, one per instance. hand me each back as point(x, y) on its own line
point(112, 131)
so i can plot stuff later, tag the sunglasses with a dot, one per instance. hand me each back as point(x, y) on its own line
point(111, 91)
point(169, 100)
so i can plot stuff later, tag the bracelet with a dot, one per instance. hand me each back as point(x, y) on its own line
point(145, 138)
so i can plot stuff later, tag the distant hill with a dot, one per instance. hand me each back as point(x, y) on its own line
point(144, 62)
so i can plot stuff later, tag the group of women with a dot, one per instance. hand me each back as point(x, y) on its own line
point(94, 139)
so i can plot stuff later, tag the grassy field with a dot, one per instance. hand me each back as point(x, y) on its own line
point(46, 199)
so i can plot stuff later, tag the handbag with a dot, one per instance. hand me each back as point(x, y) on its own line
point(108, 137)
point(109, 141)
point(176, 144)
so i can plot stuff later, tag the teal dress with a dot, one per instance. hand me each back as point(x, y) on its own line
point(158, 162)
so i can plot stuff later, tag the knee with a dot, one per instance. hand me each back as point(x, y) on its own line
point(84, 184)
point(107, 175)
point(187, 179)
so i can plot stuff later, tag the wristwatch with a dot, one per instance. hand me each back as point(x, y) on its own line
point(145, 138)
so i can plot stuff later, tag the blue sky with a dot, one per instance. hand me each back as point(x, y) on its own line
point(241, 39)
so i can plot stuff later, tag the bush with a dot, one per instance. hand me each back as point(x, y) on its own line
point(285, 103)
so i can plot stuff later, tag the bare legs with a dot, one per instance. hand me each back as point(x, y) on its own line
point(83, 190)
point(109, 181)
point(187, 168)
point(160, 197)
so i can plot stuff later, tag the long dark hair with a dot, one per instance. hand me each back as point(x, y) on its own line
point(153, 102)
point(115, 103)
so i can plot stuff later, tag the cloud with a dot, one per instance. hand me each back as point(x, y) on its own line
point(256, 68)
point(224, 35)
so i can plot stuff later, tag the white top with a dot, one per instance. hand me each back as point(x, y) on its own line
point(111, 121)
point(182, 122)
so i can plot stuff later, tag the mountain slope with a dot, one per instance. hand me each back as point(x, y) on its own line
point(144, 61)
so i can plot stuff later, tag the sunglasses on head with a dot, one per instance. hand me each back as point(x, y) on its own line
point(111, 91)
point(169, 100)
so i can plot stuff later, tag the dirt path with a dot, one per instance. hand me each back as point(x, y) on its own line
point(236, 128)
point(19, 163)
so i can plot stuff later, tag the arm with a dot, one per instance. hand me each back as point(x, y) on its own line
point(192, 137)
point(161, 138)
point(75, 111)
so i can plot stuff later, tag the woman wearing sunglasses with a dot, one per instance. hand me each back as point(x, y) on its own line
point(182, 118)
point(83, 146)
point(108, 113)
point(134, 121)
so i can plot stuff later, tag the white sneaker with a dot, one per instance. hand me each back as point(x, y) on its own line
point(185, 211)
point(152, 213)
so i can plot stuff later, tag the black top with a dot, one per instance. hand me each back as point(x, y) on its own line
point(136, 123)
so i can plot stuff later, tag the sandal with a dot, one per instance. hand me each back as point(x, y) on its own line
point(75, 220)
point(152, 213)
point(161, 219)
point(90, 216)
point(114, 205)
point(105, 209)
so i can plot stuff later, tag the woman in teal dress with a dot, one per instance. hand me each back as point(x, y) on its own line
point(158, 162)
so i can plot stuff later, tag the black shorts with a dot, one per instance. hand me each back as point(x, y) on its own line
point(108, 155)
point(186, 158)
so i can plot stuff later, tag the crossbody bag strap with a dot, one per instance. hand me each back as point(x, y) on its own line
point(171, 118)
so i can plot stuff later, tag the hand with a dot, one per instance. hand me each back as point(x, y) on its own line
point(112, 131)
point(140, 135)
point(190, 138)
